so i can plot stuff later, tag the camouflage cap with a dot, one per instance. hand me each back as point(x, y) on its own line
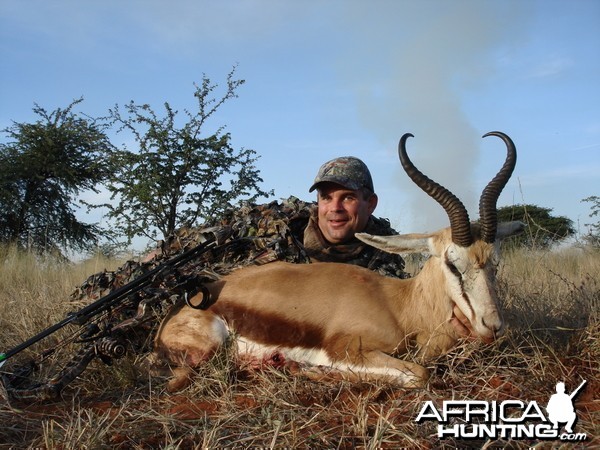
point(347, 171)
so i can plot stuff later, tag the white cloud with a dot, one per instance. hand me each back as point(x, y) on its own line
point(585, 148)
point(554, 177)
point(553, 66)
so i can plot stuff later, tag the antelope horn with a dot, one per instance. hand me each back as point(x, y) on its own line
point(457, 213)
point(487, 202)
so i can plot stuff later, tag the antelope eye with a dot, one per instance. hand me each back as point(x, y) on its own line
point(453, 269)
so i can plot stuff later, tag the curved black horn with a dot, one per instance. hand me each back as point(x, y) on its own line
point(487, 202)
point(457, 213)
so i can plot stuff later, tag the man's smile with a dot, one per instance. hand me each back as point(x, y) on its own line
point(338, 222)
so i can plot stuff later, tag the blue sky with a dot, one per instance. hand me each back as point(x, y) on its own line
point(332, 77)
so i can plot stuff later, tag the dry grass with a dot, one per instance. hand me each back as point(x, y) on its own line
point(552, 309)
point(34, 291)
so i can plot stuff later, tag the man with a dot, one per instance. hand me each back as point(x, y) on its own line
point(346, 201)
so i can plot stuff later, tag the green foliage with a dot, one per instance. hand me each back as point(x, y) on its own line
point(178, 175)
point(593, 235)
point(543, 229)
point(43, 168)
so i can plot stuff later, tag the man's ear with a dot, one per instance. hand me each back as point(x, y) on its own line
point(373, 200)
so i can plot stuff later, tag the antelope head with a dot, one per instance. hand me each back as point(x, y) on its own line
point(466, 253)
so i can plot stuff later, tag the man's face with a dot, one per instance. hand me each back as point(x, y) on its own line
point(342, 212)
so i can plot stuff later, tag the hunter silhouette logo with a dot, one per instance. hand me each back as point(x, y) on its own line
point(560, 407)
point(509, 419)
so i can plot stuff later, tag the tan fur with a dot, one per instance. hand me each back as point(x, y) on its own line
point(359, 319)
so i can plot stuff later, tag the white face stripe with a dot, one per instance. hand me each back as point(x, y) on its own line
point(472, 288)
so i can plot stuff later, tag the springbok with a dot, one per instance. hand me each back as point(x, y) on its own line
point(348, 319)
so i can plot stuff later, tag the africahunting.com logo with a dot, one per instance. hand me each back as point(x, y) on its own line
point(509, 419)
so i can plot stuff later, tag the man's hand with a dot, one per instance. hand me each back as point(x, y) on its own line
point(461, 324)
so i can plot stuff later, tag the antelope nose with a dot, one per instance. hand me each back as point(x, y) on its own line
point(496, 327)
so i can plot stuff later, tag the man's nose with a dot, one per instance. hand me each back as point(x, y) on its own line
point(337, 204)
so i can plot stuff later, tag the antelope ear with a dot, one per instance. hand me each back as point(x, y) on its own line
point(507, 229)
point(399, 243)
